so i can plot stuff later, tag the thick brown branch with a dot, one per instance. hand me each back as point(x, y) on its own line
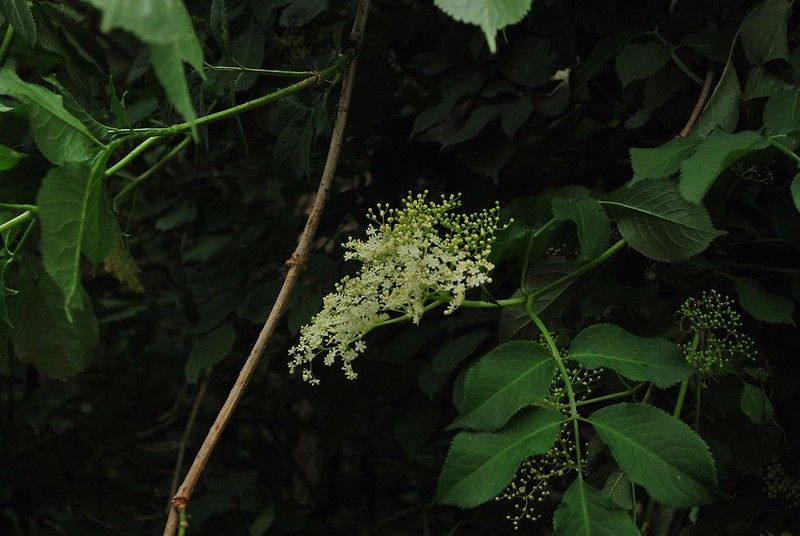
point(301, 252)
point(698, 106)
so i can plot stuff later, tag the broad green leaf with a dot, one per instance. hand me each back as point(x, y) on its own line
point(712, 43)
point(71, 104)
point(762, 83)
point(292, 152)
point(165, 25)
point(782, 112)
point(209, 350)
point(480, 465)
point(508, 378)
point(452, 89)
point(75, 216)
point(764, 35)
point(591, 221)
point(640, 60)
point(530, 61)
point(454, 351)
point(659, 452)
point(59, 135)
point(9, 158)
point(584, 511)
point(120, 263)
point(490, 16)
point(515, 114)
point(661, 161)
point(763, 305)
point(475, 123)
point(18, 13)
point(606, 49)
point(754, 403)
point(618, 490)
point(637, 358)
point(722, 110)
point(712, 157)
point(658, 222)
point(42, 334)
point(795, 189)
point(301, 12)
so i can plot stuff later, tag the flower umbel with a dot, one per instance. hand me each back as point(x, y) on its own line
point(414, 258)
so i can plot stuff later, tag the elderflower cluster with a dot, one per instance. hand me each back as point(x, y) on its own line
point(781, 483)
point(712, 318)
point(413, 258)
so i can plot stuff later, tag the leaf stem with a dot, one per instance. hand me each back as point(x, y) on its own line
point(480, 304)
point(524, 276)
point(138, 180)
point(265, 72)
point(785, 150)
point(14, 206)
point(6, 46)
point(612, 396)
point(682, 66)
point(562, 371)
point(125, 160)
point(13, 222)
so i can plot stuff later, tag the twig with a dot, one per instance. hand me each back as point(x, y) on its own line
point(6, 46)
point(295, 264)
point(698, 106)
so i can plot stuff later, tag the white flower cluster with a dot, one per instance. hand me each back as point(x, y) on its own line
point(413, 259)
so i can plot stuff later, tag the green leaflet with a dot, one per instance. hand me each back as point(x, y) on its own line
point(594, 228)
point(490, 16)
point(584, 511)
point(659, 452)
point(454, 351)
point(166, 27)
point(764, 34)
point(57, 346)
point(658, 222)
point(18, 13)
point(209, 350)
point(662, 161)
point(641, 60)
point(59, 135)
point(9, 158)
point(637, 358)
point(782, 112)
point(76, 217)
point(763, 305)
point(480, 465)
point(754, 403)
point(508, 378)
point(712, 157)
point(722, 110)
point(795, 189)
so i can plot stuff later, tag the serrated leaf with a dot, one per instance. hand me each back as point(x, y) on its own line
point(617, 488)
point(452, 89)
point(123, 267)
point(59, 135)
point(795, 189)
point(712, 43)
point(475, 123)
point(782, 112)
point(637, 358)
point(18, 13)
point(762, 83)
point(763, 305)
point(764, 33)
point(659, 452)
point(658, 222)
point(584, 511)
point(9, 158)
point(75, 217)
point(722, 110)
point(480, 465)
point(508, 378)
point(454, 351)
point(490, 16)
point(606, 49)
point(209, 350)
point(754, 403)
point(71, 104)
point(43, 335)
point(301, 12)
point(662, 161)
point(218, 24)
point(591, 221)
point(712, 157)
point(292, 152)
point(640, 60)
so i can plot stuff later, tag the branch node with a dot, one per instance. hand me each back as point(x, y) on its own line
point(179, 502)
point(297, 260)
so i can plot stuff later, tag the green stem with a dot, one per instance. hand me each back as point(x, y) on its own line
point(682, 66)
point(238, 109)
point(480, 304)
point(14, 206)
point(21, 242)
point(612, 396)
point(183, 522)
point(681, 397)
point(13, 222)
point(125, 160)
point(137, 181)
point(785, 150)
point(6, 46)
point(588, 267)
point(524, 276)
point(265, 72)
point(562, 371)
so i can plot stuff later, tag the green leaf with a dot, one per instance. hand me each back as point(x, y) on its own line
point(764, 35)
point(712, 157)
point(18, 13)
point(515, 114)
point(762, 83)
point(454, 351)
point(59, 135)
point(637, 358)
point(661, 161)
point(713, 44)
point(782, 112)
point(591, 221)
point(75, 216)
point(165, 25)
point(618, 490)
point(795, 189)
point(292, 152)
point(508, 378)
point(606, 49)
point(722, 110)
point(659, 452)
point(9, 158)
point(763, 305)
point(490, 16)
point(755, 404)
point(584, 511)
point(658, 222)
point(452, 89)
point(209, 350)
point(301, 12)
point(43, 335)
point(480, 465)
point(529, 62)
point(475, 123)
point(640, 60)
